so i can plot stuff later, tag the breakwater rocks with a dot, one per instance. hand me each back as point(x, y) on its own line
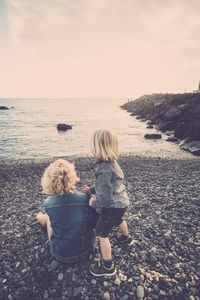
point(176, 114)
point(163, 219)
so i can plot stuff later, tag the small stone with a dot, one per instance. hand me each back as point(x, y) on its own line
point(105, 283)
point(136, 278)
point(168, 233)
point(140, 292)
point(60, 276)
point(46, 295)
point(154, 249)
point(24, 271)
point(135, 268)
point(162, 293)
point(106, 296)
point(73, 277)
point(93, 281)
point(17, 264)
point(125, 297)
point(77, 291)
point(54, 264)
point(117, 281)
point(10, 297)
point(153, 259)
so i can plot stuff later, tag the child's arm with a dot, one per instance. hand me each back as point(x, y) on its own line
point(89, 190)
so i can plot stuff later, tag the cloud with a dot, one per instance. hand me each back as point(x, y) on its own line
point(135, 41)
point(71, 25)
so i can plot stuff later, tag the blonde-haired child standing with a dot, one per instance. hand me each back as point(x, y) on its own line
point(110, 201)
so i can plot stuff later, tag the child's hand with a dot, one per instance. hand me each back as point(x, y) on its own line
point(90, 201)
point(86, 190)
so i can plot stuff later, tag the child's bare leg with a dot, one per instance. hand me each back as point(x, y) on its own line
point(43, 219)
point(105, 248)
point(124, 228)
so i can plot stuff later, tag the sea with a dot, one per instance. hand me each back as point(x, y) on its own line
point(28, 130)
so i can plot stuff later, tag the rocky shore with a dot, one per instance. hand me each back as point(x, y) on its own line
point(164, 220)
point(176, 114)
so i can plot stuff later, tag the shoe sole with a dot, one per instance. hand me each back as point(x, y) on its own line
point(106, 274)
point(131, 243)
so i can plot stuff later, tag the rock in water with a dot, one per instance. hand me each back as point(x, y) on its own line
point(172, 139)
point(153, 136)
point(63, 127)
point(3, 107)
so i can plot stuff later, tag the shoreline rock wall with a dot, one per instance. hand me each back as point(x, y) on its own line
point(178, 113)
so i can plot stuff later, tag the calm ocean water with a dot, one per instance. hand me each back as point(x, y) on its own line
point(29, 129)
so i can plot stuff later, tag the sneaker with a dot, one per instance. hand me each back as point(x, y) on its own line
point(99, 269)
point(126, 240)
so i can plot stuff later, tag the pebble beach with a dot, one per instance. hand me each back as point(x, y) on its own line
point(163, 218)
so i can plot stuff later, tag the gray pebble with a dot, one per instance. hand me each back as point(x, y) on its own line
point(136, 278)
point(154, 249)
point(24, 271)
point(105, 283)
point(140, 292)
point(46, 296)
point(60, 276)
point(54, 264)
point(93, 281)
point(162, 293)
point(153, 258)
point(125, 297)
point(17, 264)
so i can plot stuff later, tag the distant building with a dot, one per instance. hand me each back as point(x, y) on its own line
point(197, 91)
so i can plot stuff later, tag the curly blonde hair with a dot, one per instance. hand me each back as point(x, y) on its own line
point(59, 177)
point(104, 145)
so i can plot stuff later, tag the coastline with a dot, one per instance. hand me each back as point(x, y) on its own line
point(163, 219)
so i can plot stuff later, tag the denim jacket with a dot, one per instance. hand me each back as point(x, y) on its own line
point(72, 221)
point(109, 187)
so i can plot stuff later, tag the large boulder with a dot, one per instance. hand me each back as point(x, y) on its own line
point(172, 114)
point(188, 129)
point(3, 107)
point(193, 147)
point(164, 126)
point(63, 127)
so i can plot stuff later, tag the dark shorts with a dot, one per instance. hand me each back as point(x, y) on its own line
point(109, 218)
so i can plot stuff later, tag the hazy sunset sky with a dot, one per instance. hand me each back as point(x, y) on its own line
point(98, 48)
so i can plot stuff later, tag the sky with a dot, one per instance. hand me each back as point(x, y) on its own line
point(98, 48)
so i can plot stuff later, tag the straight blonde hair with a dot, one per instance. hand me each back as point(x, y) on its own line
point(59, 178)
point(104, 145)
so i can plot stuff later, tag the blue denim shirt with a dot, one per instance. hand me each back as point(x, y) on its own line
point(72, 222)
